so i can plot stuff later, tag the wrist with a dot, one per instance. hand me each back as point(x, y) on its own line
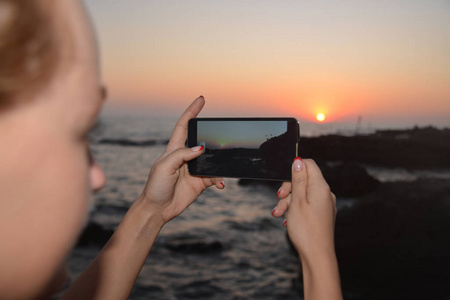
point(149, 213)
point(319, 264)
point(310, 249)
point(325, 255)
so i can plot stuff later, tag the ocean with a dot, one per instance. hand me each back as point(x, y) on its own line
point(243, 252)
point(226, 245)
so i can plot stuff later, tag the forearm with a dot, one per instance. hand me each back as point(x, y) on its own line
point(114, 271)
point(321, 277)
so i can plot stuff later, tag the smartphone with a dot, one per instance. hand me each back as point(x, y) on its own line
point(251, 148)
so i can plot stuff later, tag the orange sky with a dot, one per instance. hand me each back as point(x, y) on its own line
point(383, 60)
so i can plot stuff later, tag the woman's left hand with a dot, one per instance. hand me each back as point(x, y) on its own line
point(170, 189)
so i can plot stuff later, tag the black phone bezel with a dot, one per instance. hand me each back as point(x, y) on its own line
point(293, 131)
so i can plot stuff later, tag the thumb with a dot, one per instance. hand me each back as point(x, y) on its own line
point(177, 158)
point(299, 182)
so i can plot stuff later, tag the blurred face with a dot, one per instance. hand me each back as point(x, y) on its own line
point(46, 173)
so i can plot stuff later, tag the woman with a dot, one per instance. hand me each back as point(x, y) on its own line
point(50, 96)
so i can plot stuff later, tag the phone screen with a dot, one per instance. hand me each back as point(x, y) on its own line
point(256, 148)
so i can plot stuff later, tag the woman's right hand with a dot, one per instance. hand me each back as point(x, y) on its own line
point(312, 210)
point(310, 225)
point(170, 188)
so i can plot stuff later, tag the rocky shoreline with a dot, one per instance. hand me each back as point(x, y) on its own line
point(393, 242)
point(416, 148)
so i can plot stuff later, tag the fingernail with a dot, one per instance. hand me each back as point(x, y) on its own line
point(298, 163)
point(201, 97)
point(284, 223)
point(273, 211)
point(197, 148)
point(278, 193)
point(222, 183)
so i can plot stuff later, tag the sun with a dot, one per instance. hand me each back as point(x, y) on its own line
point(320, 117)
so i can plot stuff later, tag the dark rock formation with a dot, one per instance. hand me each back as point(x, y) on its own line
point(349, 180)
point(418, 148)
point(275, 148)
point(344, 179)
point(394, 243)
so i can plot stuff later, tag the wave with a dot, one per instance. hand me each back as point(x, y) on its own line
point(132, 143)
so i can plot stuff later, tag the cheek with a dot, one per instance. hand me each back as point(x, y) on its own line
point(67, 188)
point(47, 191)
point(67, 177)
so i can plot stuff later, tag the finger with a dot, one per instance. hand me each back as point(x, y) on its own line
point(179, 134)
point(281, 207)
point(284, 190)
point(314, 174)
point(173, 161)
point(219, 182)
point(300, 173)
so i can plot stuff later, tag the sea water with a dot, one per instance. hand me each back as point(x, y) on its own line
point(245, 253)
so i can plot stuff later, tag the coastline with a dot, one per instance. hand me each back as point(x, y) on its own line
point(392, 240)
point(391, 235)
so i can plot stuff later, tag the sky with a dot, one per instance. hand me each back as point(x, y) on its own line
point(238, 134)
point(386, 61)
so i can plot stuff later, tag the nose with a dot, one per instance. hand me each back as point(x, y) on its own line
point(97, 177)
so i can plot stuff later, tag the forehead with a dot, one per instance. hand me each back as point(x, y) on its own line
point(75, 32)
point(78, 84)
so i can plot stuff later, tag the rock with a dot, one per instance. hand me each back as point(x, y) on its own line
point(345, 180)
point(394, 243)
point(348, 180)
point(275, 149)
point(417, 148)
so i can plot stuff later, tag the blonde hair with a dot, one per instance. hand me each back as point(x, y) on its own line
point(28, 47)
